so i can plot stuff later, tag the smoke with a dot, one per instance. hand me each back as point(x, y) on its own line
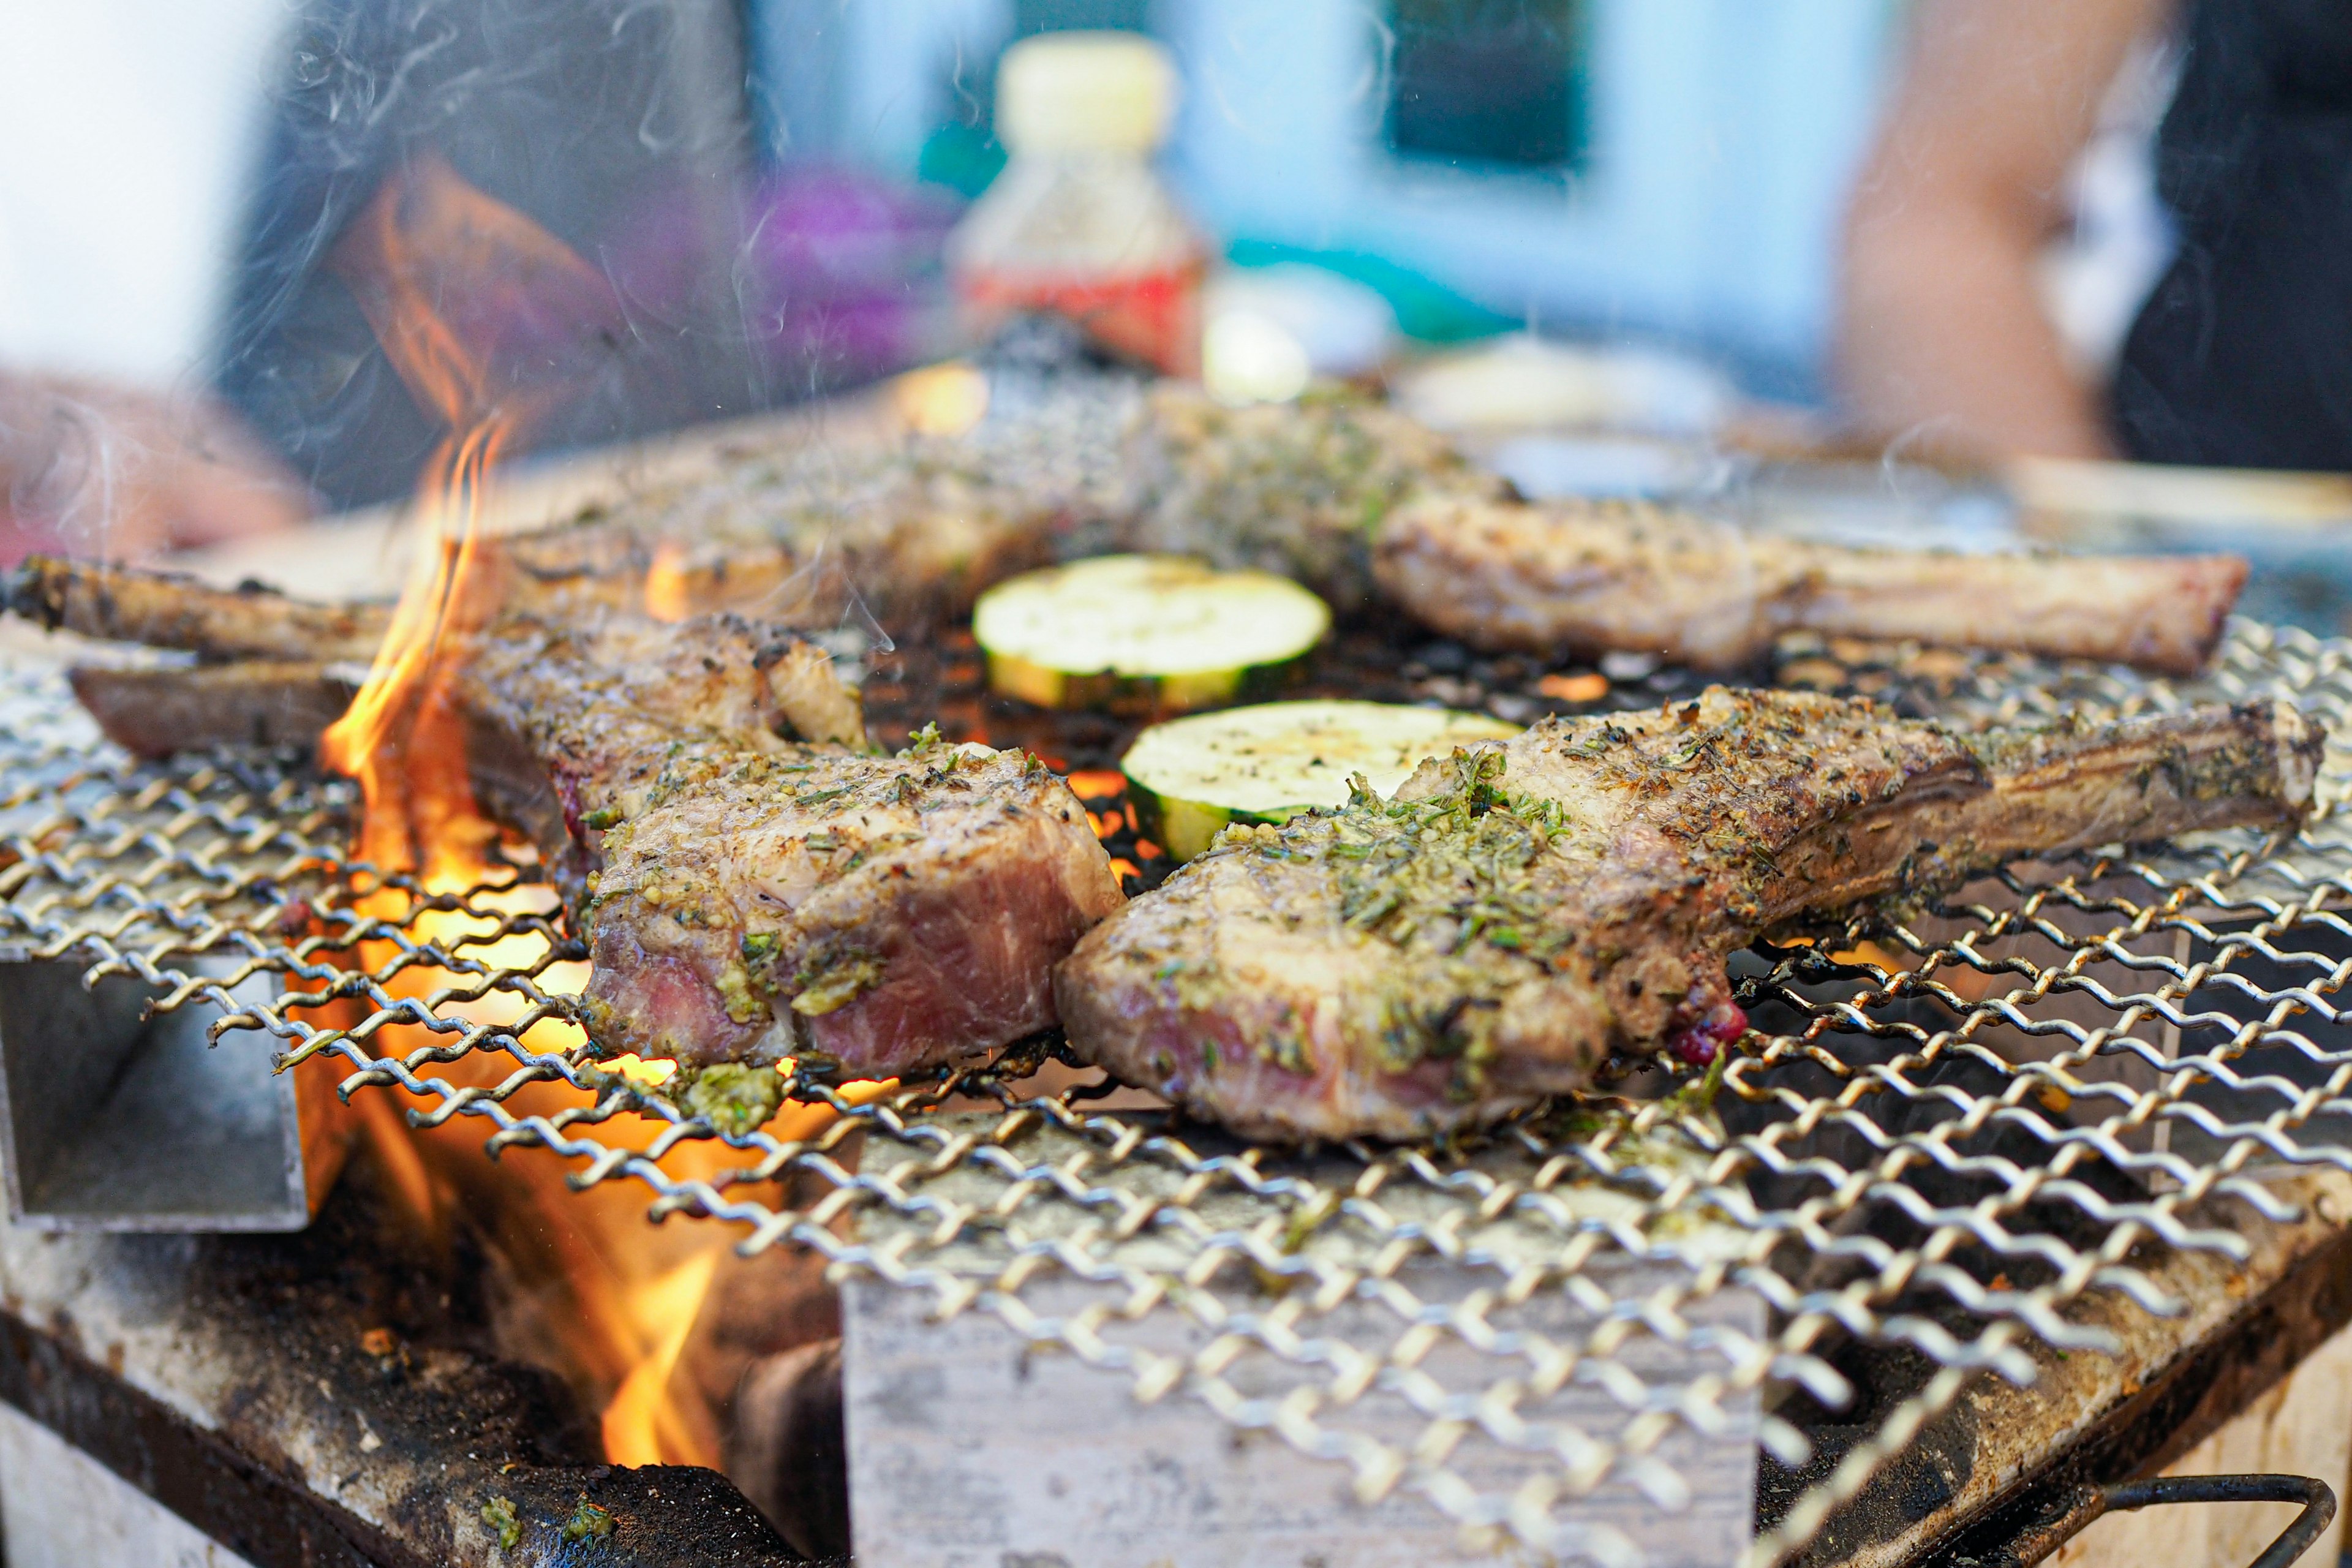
point(609, 123)
point(91, 468)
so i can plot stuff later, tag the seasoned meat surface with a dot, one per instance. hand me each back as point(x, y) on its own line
point(1519, 911)
point(752, 882)
point(1300, 490)
point(889, 912)
point(911, 532)
point(1344, 494)
point(1586, 578)
point(566, 722)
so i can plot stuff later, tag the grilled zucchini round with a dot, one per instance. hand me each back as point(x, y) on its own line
point(1161, 634)
point(1190, 777)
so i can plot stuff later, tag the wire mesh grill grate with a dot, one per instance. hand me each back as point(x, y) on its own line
point(1949, 1128)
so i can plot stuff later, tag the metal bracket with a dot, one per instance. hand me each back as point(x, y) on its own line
point(111, 1119)
point(2068, 1514)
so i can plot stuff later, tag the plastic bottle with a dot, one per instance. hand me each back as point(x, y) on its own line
point(1077, 223)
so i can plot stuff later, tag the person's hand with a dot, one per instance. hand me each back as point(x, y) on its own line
point(93, 470)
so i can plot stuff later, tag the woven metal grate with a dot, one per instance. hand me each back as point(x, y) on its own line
point(1950, 1129)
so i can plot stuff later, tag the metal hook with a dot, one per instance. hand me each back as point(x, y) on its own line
point(2042, 1537)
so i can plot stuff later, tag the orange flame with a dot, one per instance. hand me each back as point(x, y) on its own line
point(478, 310)
point(668, 596)
point(446, 276)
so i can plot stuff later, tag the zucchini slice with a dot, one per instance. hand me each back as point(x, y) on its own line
point(1159, 634)
point(1188, 778)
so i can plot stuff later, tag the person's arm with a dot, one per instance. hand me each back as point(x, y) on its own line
point(1941, 325)
point(89, 468)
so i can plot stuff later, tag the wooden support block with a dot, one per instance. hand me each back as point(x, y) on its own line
point(969, 1448)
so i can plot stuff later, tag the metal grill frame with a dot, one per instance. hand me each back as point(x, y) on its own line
point(1783, 1173)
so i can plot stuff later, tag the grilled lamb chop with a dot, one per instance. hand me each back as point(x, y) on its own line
point(919, 524)
point(1586, 578)
point(753, 882)
point(1518, 913)
point(751, 898)
point(790, 529)
point(1361, 503)
point(913, 530)
point(1348, 496)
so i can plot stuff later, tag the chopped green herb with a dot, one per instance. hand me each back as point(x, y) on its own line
point(588, 1522)
point(1451, 878)
point(735, 1097)
point(499, 1513)
point(834, 986)
point(736, 989)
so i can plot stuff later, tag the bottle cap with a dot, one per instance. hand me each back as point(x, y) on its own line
point(1083, 91)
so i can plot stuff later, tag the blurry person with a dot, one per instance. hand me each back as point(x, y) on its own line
point(2240, 356)
point(126, 127)
point(179, 359)
point(108, 468)
point(619, 132)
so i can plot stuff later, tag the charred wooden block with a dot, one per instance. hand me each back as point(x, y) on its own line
point(323, 1399)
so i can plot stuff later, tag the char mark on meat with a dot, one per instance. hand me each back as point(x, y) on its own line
point(1518, 913)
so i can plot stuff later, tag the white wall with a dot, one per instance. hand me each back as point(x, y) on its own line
point(1724, 135)
point(126, 131)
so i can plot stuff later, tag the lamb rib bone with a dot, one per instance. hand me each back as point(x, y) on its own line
point(1518, 913)
point(165, 610)
point(1588, 577)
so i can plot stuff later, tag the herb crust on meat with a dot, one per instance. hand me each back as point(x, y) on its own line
point(752, 880)
point(1518, 913)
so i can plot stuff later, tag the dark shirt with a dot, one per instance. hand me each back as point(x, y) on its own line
point(2242, 356)
point(616, 127)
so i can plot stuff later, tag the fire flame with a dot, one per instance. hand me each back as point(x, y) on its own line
point(462, 292)
point(667, 595)
point(479, 311)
